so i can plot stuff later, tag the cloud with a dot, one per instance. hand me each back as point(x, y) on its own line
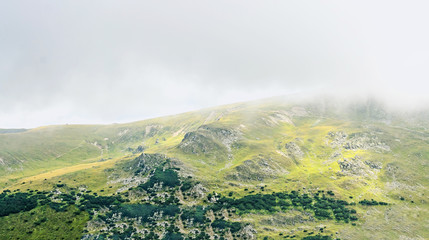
point(109, 61)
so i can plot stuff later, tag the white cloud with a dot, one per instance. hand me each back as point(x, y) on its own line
point(109, 61)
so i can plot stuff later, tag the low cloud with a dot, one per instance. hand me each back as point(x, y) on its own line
point(105, 61)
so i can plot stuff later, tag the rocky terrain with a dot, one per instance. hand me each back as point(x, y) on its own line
point(273, 169)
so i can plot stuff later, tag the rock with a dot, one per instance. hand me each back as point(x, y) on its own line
point(139, 149)
point(210, 215)
point(336, 155)
point(374, 165)
point(248, 232)
point(257, 169)
point(294, 151)
point(365, 141)
point(144, 163)
point(355, 167)
point(210, 141)
point(151, 130)
point(198, 191)
point(392, 170)
point(352, 166)
point(337, 139)
point(356, 141)
point(228, 235)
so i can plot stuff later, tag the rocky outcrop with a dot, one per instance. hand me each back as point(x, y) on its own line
point(356, 167)
point(144, 163)
point(198, 191)
point(356, 141)
point(352, 166)
point(257, 169)
point(335, 155)
point(374, 165)
point(365, 141)
point(248, 232)
point(197, 143)
point(134, 172)
point(294, 151)
point(337, 138)
point(226, 136)
point(210, 140)
point(392, 170)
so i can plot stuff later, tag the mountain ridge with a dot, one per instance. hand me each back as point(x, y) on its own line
point(358, 153)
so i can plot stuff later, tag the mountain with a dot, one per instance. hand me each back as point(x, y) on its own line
point(280, 168)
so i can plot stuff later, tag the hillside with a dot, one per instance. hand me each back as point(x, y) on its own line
point(280, 168)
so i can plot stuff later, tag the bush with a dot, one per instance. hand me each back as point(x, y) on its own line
point(222, 224)
point(186, 185)
point(15, 203)
point(197, 214)
point(317, 237)
point(145, 211)
point(173, 236)
point(167, 177)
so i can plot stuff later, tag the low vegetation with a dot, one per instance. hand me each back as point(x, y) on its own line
point(158, 212)
point(246, 171)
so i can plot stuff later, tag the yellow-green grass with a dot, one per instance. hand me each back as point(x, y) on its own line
point(44, 223)
point(79, 162)
point(90, 175)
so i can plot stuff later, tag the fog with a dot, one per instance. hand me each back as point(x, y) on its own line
point(119, 61)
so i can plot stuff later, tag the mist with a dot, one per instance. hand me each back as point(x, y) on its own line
point(109, 61)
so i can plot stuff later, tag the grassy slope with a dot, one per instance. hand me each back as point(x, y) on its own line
point(68, 154)
point(44, 223)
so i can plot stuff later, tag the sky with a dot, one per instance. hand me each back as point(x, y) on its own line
point(119, 61)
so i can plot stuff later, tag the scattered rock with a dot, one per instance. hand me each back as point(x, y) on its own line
point(139, 149)
point(392, 170)
point(199, 191)
point(294, 151)
point(151, 130)
point(336, 155)
point(337, 138)
point(374, 165)
point(248, 232)
point(355, 167)
point(365, 141)
point(209, 140)
point(257, 169)
point(356, 141)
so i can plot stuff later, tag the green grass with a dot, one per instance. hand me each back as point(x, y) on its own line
point(68, 154)
point(44, 223)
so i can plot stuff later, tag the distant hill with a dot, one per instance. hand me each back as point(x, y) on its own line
point(281, 168)
point(2, 131)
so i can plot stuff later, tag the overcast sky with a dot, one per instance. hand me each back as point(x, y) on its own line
point(118, 61)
